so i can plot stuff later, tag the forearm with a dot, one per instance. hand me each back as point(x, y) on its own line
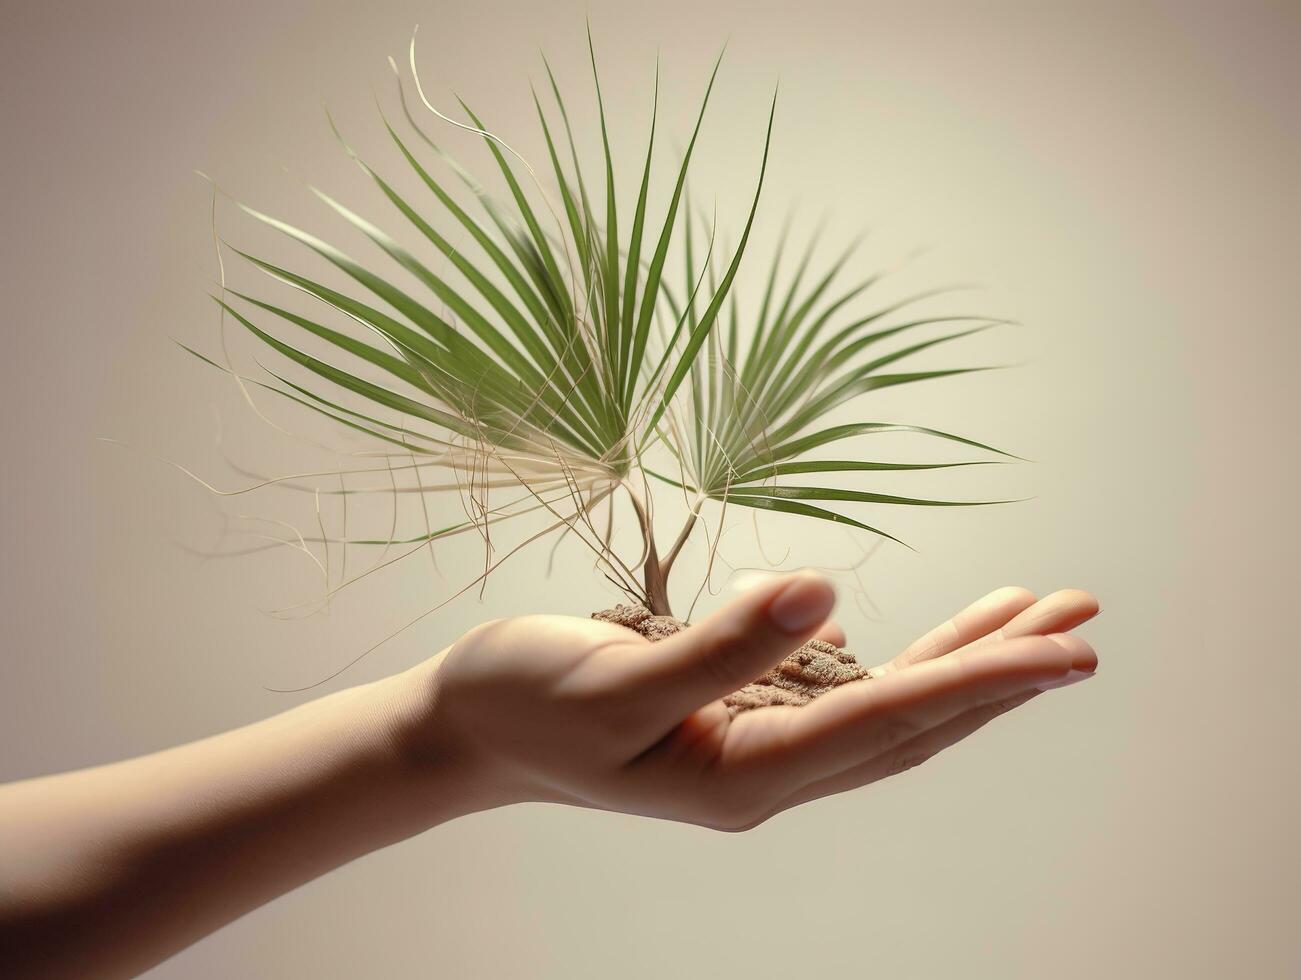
point(106, 871)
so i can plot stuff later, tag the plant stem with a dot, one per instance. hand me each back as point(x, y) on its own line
point(683, 535)
point(655, 572)
point(657, 597)
point(657, 586)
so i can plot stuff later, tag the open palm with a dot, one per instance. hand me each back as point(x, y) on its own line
point(576, 711)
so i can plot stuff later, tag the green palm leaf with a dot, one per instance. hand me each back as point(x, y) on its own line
point(553, 342)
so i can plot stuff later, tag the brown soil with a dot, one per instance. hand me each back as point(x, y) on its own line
point(811, 671)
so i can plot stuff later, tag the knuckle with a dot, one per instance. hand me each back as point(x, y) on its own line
point(478, 634)
point(927, 647)
point(736, 820)
point(896, 731)
point(741, 826)
point(902, 762)
point(992, 711)
point(738, 809)
point(988, 712)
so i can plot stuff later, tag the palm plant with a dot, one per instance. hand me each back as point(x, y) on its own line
point(563, 361)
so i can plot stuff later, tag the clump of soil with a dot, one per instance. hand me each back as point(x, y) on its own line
point(811, 671)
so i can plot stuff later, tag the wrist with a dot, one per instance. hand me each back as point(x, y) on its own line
point(436, 773)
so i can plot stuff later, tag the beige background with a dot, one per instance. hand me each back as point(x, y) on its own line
point(1122, 177)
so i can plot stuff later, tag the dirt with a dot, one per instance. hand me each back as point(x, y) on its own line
point(811, 671)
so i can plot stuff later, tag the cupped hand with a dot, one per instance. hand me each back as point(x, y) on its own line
point(561, 709)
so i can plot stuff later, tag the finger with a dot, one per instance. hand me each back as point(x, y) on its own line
point(910, 754)
point(732, 647)
point(982, 617)
point(1057, 613)
point(864, 719)
point(830, 632)
point(922, 748)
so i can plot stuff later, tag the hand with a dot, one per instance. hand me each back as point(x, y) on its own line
point(560, 709)
point(121, 865)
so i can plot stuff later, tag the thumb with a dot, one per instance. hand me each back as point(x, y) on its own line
point(736, 644)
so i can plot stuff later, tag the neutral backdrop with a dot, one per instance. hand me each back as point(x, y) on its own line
point(1120, 178)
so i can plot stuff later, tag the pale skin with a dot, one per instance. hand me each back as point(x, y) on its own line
point(107, 871)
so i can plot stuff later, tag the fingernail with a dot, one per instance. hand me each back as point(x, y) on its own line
point(804, 603)
point(1071, 677)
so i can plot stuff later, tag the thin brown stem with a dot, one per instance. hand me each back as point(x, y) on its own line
point(667, 564)
point(657, 595)
point(655, 571)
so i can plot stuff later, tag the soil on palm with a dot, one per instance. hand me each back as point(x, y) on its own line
point(811, 671)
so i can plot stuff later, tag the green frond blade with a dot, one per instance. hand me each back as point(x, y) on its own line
point(808, 510)
point(836, 433)
point(773, 470)
point(710, 316)
point(855, 496)
point(655, 269)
